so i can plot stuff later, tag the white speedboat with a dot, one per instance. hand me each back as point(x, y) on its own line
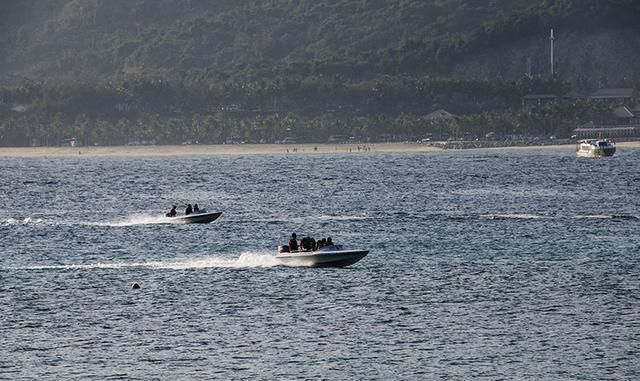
point(595, 148)
point(328, 256)
point(199, 217)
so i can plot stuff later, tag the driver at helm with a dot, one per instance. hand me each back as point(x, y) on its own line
point(293, 242)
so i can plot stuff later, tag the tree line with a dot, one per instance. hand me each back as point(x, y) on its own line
point(260, 71)
point(153, 110)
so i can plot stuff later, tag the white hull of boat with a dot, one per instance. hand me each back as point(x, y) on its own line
point(595, 148)
point(196, 218)
point(322, 258)
point(596, 153)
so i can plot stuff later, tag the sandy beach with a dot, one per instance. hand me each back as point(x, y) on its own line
point(245, 149)
point(218, 149)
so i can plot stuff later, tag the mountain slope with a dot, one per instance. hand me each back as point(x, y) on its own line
point(115, 71)
point(257, 39)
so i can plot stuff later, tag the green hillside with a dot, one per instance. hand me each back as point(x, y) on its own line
point(113, 71)
point(258, 39)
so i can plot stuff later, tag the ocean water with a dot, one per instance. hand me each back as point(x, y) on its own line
point(505, 264)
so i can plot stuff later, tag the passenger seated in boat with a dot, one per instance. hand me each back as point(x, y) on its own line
point(329, 242)
point(172, 212)
point(195, 208)
point(293, 243)
point(321, 243)
point(307, 243)
point(189, 210)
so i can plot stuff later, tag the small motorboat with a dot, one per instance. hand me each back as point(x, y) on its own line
point(595, 148)
point(328, 256)
point(199, 217)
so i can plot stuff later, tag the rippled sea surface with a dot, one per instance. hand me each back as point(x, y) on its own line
point(505, 264)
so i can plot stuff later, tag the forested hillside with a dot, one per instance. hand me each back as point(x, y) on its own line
point(116, 71)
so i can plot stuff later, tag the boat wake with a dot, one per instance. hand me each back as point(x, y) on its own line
point(511, 216)
point(304, 220)
point(524, 216)
point(136, 219)
point(607, 217)
point(24, 221)
point(245, 260)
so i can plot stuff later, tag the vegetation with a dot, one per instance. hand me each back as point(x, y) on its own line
point(113, 72)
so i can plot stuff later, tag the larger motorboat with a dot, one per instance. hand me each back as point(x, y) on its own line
point(595, 148)
point(328, 256)
point(199, 217)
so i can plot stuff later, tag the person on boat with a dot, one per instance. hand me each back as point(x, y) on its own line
point(308, 243)
point(195, 208)
point(189, 210)
point(329, 242)
point(172, 212)
point(293, 243)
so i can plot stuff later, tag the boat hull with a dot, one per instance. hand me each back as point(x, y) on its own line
point(596, 152)
point(595, 148)
point(197, 218)
point(321, 258)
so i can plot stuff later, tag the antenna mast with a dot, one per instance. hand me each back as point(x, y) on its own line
point(551, 38)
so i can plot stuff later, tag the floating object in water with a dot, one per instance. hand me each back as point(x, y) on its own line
point(135, 286)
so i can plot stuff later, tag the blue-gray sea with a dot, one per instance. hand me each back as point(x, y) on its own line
point(484, 265)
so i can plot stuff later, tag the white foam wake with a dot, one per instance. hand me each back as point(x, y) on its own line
point(136, 219)
point(25, 221)
point(512, 216)
point(245, 260)
point(307, 219)
point(594, 217)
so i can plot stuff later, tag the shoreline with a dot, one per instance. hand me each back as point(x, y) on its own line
point(212, 150)
point(252, 149)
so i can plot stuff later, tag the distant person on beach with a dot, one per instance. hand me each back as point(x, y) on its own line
point(195, 208)
point(293, 242)
point(172, 212)
point(188, 210)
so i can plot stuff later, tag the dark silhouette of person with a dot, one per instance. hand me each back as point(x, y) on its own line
point(172, 212)
point(329, 241)
point(293, 242)
point(189, 210)
point(195, 208)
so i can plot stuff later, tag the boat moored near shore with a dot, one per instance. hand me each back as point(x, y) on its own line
point(595, 148)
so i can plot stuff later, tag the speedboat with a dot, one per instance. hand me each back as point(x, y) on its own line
point(328, 256)
point(199, 217)
point(595, 148)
